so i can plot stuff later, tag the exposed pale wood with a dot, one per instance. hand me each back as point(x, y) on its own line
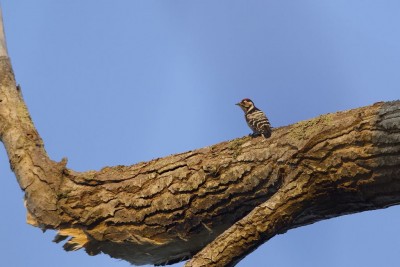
point(3, 44)
point(221, 201)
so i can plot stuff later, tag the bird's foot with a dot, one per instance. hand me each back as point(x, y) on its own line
point(254, 135)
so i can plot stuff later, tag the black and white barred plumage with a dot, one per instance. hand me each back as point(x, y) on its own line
point(255, 118)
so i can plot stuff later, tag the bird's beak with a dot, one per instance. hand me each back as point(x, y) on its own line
point(237, 104)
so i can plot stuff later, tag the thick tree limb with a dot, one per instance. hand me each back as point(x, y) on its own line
point(169, 209)
point(349, 168)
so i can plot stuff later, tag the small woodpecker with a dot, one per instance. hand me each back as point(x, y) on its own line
point(255, 118)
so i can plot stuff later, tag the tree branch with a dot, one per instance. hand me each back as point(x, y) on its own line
point(224, 200)
point(3, 44)
point(349, 168)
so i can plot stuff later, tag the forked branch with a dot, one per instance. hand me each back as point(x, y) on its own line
point(216, 203)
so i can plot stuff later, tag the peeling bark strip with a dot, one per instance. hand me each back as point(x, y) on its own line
point(220, 202)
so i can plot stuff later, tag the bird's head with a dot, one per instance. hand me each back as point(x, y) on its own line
point(246, 104)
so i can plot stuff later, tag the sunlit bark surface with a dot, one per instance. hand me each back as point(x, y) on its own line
point(215, 204)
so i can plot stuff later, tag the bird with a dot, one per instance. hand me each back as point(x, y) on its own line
point(255, 118)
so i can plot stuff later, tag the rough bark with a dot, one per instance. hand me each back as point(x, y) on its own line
point(350, 166)
point(221, 201)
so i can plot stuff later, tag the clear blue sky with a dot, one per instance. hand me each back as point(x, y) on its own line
point(118, 82)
